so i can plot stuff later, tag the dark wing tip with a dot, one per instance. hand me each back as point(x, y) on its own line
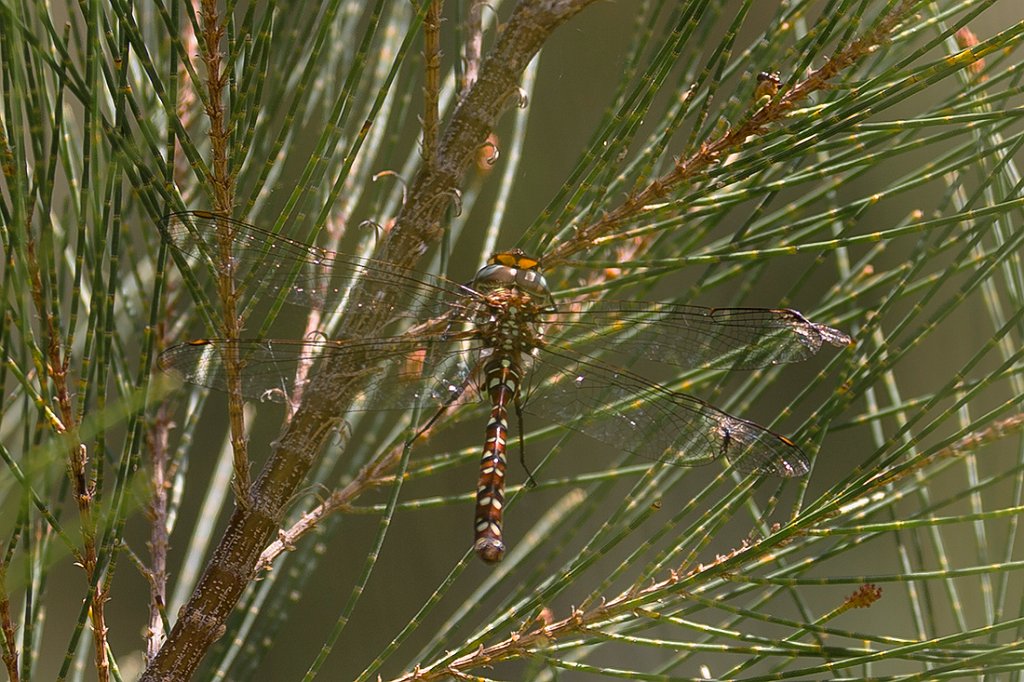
point(834, 337)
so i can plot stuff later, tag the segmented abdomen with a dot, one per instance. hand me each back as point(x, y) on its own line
point(502, 378)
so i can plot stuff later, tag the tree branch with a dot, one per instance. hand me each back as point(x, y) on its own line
point(201, 621)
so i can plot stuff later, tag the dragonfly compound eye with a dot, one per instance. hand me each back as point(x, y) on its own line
point(533, 283)
point(496, 276)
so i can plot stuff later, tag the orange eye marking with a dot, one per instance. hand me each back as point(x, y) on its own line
point(514, 259)
point(506, 259)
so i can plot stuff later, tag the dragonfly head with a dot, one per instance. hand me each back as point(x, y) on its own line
point(513, 269)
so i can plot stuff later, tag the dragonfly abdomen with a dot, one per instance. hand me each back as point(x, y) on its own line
point(503, 377)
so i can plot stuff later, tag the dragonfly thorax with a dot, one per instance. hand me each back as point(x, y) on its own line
point(514, 295)
point(509, 321)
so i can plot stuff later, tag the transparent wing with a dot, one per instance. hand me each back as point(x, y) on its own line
point(397, 373)
point(260, 261)
point(691, 336)
point(682, 335)
point(621, 409)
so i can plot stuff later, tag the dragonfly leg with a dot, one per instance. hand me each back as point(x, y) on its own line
point(453, 397)
point(430, 422)
point(531, 482)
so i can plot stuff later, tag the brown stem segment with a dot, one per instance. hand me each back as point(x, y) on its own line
point(10, 650)
point(159, 542)
point(432, 80)
point(80, 472)
point(223, 185)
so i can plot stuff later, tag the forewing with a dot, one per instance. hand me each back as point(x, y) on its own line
point(691, 336)
point(394, 373)
point(262, 261)
point(628, 412)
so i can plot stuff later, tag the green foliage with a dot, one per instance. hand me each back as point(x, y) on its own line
point(876, 190)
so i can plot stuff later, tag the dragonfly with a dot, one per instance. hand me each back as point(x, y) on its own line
point(503, 340)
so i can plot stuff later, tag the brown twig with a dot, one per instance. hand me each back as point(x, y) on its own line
point(971, 442)
point(710, 153)
point(80, 473)
point(222, 183)
point(373, 475)
point(431, 79)
point(185, 105)
point(157, 445)
point(10, 650)
point(544, 630)
point(474, 43)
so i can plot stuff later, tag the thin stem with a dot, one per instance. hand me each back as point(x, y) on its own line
point(432, 79)
point(223, 185)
